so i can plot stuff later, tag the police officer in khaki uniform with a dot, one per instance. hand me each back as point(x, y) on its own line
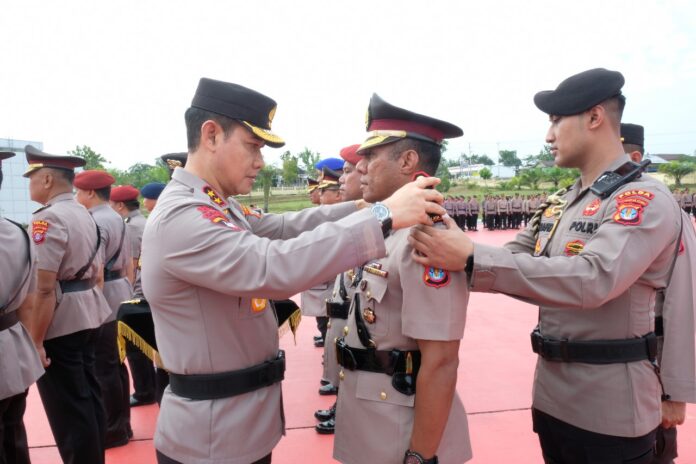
point(19, 361)
point(69, 308)
point(206, 275)
point(92, 190)
point(399, 351)
point(593, 259)
point(343, 289)
point(674, 324)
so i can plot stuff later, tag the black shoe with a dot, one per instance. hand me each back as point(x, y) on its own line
point(114, 443)
point(324, 382)
point(328, 389)
point(326, 427)
point(318, 337)
point(325, 414)
point(319, 343)
point(134, 402)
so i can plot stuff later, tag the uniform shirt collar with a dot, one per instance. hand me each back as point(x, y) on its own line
point(201, 189)
point(99, 207)
point(60, 197)
point(134, 213)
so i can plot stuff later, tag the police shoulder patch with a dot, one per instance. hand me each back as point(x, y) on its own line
point(216, 217)
point(436, 277)
point(592, 208)
point(38, 231)
point(630, 205)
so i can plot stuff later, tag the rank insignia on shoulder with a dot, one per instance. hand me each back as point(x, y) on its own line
point(214, 197)
point(592, 208)
point(38, 231)
point(574, 248)
point(436, 277)
point(216, 217)
point(248, 212)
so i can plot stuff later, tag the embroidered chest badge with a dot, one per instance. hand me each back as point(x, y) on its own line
point(258, 304)
point(214, 197)
point(592, 208)
point(38, 231)
point(574, 248)
point(216, 217)
point(630, 205)
point(436, 277)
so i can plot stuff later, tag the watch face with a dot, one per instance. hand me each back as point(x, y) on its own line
point(380, 211)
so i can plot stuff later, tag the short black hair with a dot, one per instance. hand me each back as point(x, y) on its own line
point(67, 175)
point(132, 205)
point(103, 193)
point(429, 154)
point(195, 117)
point(615, 107)
point(630, 147)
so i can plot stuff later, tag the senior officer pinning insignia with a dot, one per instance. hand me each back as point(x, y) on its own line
point(592, 208)
point(216, 217)
point(435, 277)
point(574, 248)
point(38, 231)
point(214, 197)
point(630, 205)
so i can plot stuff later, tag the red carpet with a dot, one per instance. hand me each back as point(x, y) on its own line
point(495, 382)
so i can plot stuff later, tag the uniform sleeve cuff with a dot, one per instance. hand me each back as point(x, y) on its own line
point(482, 277)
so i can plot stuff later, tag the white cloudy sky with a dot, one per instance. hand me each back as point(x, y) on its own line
point(118, 75)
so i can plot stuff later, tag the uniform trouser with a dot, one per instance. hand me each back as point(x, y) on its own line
point(143, 373)
point(490, 221)
point(473, 219)
point(322, 322)
point(113, 381)
point(562, 443)
point(13, 436)
point(71, 396)
point(504, 220)
point(517, 219)
point(666, 446)
point(162, 459)
point(331, 368)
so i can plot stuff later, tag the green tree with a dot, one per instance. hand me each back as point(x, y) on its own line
point(140, 174)
point(290, 168)
point(509, 158)
point(481, 159)
point(531, 177)
point(677, 170)
point(485, 174)
point(94, 159)
point(545, 154)
point(515, 183)
point(555, 175)
point(444, 175)
point(309, 159)
point(265, 177)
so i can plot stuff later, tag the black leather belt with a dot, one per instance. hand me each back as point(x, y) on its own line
point(385, 362)
point(337, 310)
point(112, 275)
point(659, 326)
point(227, 384)
point(71, 286)
point(596, 351)
point(7, 320)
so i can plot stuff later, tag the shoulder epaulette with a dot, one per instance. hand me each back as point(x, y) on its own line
point(41, 209)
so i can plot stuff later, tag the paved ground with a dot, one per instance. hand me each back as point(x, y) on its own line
point(495, 378)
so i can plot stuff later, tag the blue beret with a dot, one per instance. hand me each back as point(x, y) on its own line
point(335, 164)
point(152, 190)
point(580, 92)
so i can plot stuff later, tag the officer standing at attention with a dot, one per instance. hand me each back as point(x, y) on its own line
point(93, 189)
point(343, 289)
point(594, 259)
point(19, 361)
point(399, 350)
point(674, 324)
point(69, 308)
point(206, 276)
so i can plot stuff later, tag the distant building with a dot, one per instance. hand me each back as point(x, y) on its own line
point(473, 170)
point(14, 194)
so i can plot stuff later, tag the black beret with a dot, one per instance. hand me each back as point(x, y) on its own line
point(580, 92)
point(387, 123)
point(632, 134)
point(253, 109)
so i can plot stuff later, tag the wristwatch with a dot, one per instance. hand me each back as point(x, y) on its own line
point(383, 215)
point(412, 457)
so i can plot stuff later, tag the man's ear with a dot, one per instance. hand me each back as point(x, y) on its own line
point(209, 132)
point(409, 162)
point(596, 116)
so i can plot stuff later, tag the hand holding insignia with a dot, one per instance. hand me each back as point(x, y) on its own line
point(446, 248)
point(414, 202)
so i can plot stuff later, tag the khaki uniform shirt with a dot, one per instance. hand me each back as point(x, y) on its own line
point(65, 236)
point(463, 207)
point(335, 326)
point(473, 207)
point(516, 205)
point(112, 229)
point(502, 206)
point(373, 420)
point(206, 274)
point(20, 365)
point(678, 310)
point(490, 206)
point(313, 301)
point(135, 223)
point(595, 279)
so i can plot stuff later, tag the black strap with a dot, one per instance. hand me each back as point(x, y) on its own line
point(228, 384)
point(337, 310)
point(595, 351)
point(659, 326)
point(383, 362)
point(72, 286)
point(110, 264)
point(8, 320)
point(84, 269)
point(18, 290)
point(112, 275)
point(363, 331)
point(343, 293)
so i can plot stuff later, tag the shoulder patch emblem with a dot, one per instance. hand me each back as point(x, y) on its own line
point(630, 205)
point(574, 248)
point(635, 193)
point(592, 208)
point(216, 217)
point(436, 277)
point(248, 212)
point(214, 197)
point(38, 231)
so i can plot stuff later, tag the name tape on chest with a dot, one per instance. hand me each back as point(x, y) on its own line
point(38, 231)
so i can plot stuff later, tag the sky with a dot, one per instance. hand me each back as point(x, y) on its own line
point(118, 76)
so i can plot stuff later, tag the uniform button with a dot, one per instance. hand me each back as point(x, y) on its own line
point(345, 330)
point(341, 375)
point(328, 325)
point(335, 340)
point(383, 396)
point(368, 294)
